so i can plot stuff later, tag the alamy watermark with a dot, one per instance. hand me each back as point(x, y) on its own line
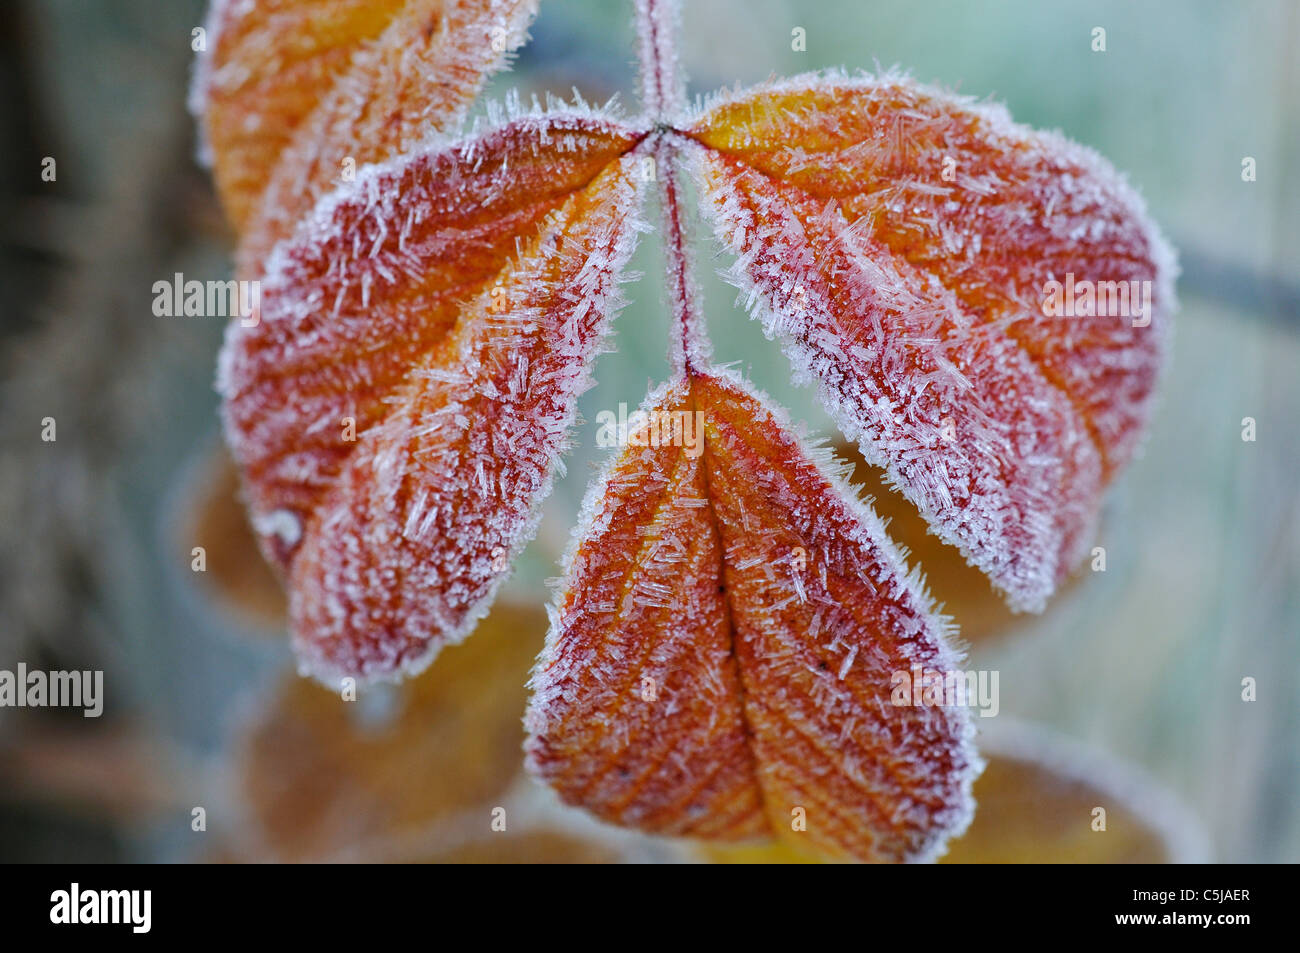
point(657, 428)
point(936, 688)
point(1104, 299)
point(179, 298)
point(77, 906)
point(34, 688)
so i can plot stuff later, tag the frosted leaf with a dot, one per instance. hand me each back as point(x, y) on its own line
point(901, 241)
point(288, 90)
point(448, 305)
point(711, 668)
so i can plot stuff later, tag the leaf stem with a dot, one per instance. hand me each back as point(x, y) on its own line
point(690, 348)
point(663, 93)
point(663, 85)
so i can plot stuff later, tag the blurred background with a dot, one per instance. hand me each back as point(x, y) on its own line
point(1127, 692)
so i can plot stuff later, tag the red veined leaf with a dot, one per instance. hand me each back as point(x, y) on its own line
point(374, 281)
point(399, 409)
point(322, 82)
point(721, 656)
point(902, 242)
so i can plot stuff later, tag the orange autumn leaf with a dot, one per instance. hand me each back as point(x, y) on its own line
point(720, 663)
point(903, 243)
point(266, 67)
point(418, 80)
point(325, 82)
point(399, 408)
